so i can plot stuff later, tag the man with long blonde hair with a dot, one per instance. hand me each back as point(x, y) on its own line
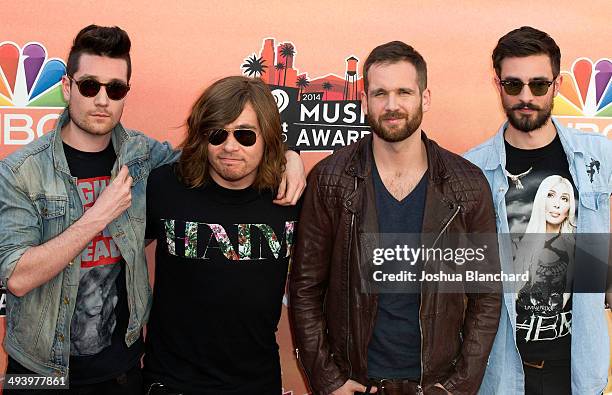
point(223, 248)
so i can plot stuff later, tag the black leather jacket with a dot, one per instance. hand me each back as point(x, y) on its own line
point(333, 318)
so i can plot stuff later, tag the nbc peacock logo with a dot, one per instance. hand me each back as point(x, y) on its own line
point(585, 98)
point(30, 93)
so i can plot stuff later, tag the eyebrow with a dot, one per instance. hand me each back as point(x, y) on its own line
point(245, 126)
point(95, 77)
point(400, 89)
point(539, 78)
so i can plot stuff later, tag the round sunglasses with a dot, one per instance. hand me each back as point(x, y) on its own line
point(89, 87)
point(245, 137)
point(515, 87)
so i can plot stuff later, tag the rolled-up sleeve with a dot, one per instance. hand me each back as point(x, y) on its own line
point(20, 226)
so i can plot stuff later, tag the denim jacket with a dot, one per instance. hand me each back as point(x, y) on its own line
point(38, 201)
point(590, 357)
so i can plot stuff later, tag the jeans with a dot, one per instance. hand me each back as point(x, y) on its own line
point(127, 383)
point(553, 379)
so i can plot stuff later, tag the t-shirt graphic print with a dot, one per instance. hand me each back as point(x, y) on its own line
point(542, 204)
point(94, 321)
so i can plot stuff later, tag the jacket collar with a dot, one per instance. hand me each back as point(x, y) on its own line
point(118, 137)
point(439, 207)
point(360, 165)
point(494, 161)
point(567, 141)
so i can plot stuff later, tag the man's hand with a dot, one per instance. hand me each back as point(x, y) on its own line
point(114, 199)
point(41, 263)
point(442, 389)
point(350, 387)
point(293, 182)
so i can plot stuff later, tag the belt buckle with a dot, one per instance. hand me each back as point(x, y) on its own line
point(380, 383)
point(536, 365)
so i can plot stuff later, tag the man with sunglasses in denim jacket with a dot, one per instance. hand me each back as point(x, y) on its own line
point(72, 212)
point(541, 172)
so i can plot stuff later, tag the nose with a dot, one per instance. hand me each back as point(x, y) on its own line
point(525, 95)
point(392, 103)
point(101, 98)
point(230, 144)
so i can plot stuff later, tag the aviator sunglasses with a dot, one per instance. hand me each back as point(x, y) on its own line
point(115, 90)
point(537, 88)
point(245, 137)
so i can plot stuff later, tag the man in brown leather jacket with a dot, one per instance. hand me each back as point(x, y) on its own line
point(395, 180)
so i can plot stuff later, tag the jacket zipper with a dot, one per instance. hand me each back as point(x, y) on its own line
point(348, 319)
point(420, 386)
point(446, 226)
point(297, 356)
point(348, 291)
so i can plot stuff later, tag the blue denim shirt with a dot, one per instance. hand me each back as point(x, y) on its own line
point(590, 357)
point(39, 199)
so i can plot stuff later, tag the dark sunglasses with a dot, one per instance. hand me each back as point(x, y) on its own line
point(537, 88)
point(89, 87)
point(246, 137)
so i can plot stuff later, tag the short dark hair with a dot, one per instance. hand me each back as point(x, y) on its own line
point(527, 41)
point(392, 52)
point(220, 104)
point(112, 42)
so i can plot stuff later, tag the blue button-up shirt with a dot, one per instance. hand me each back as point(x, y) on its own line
point(590, 357)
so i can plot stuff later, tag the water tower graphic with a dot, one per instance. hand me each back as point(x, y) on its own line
point(350, 79)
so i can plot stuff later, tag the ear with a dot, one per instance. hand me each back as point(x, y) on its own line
point(364, 102)
point(496, 82)
point(66, 82)
point(557, 85)
point(426, 100)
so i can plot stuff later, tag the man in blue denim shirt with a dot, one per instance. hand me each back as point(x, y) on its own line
point(545, 178)
point(72, 214)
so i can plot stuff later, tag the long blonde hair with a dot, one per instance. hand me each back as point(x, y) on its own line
point(532, 243)
point(537, 221)
point(220, 104)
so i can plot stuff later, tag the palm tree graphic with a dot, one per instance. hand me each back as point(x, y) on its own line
point(254, 66)
point(287, 51)
point(279, 67)
point(326, 87)
point(302, 82)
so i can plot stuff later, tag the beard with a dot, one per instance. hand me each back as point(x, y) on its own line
point(399, 133)
point(244, 170)
point(230, 174)
point(80, 120)
point(525, 123)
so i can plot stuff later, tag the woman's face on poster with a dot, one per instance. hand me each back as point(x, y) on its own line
point(557, 203)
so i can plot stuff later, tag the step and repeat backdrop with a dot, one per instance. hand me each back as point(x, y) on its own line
point(311, 54)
